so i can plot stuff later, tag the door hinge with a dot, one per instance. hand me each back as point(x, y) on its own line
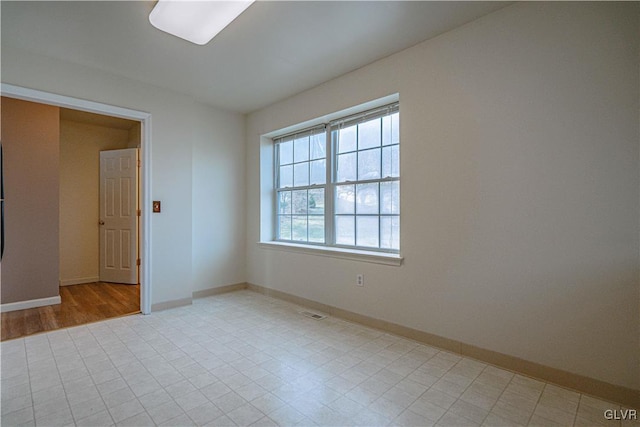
point(138, 261)
point(139, 163)
point(138, 212)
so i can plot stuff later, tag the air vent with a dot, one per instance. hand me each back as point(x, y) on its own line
point(315, 316)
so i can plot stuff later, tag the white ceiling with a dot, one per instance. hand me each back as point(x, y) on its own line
point(275, 49)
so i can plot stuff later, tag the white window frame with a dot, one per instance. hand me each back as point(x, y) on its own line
point(277, 189)
point(268, 217)
point(334, 126)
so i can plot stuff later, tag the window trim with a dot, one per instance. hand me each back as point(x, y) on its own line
point(268, 202)
point(375, 257)
point(330, 183)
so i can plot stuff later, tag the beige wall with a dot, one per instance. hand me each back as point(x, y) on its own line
point(135, 135)
point(30, 137)
point(80, 146)
point(519, 156)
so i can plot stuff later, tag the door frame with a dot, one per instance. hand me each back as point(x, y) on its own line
point(42, 97)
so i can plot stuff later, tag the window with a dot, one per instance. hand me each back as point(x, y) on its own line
point(301, 183)
point(339, 184)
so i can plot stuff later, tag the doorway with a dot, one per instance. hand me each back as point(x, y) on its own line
point(98, 183)
point(145, 253)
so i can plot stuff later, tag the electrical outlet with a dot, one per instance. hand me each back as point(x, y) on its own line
point(360, 280)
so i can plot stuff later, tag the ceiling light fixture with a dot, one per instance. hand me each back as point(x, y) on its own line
point(196, 21)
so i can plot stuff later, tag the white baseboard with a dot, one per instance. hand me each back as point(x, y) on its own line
point(32, 303)
point(79, 281)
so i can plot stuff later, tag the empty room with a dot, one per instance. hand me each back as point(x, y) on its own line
point(320, 213)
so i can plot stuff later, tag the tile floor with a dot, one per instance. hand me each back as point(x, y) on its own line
point(246, 359)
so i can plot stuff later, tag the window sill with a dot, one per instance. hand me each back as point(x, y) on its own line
point(350, 254)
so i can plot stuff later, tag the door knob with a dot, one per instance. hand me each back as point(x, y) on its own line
point(101, 222)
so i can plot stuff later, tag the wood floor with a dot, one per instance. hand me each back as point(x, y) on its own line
point(80, 304)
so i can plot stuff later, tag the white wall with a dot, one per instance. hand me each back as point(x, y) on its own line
point(520, 164)
point(218, 201)
point(174, 118)
point(80, 146)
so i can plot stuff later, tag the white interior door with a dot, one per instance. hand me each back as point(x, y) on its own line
point(118, 216)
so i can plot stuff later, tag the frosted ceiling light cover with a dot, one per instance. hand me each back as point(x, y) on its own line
point(196, 21)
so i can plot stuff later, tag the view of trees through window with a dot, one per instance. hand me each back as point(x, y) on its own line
point(361, 174)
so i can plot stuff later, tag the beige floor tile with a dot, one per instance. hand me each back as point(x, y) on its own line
point(246, 359)
point(268, 403)
point(452, 389)
point(368, 418)
point(386, 408)
point(265, 422)
point(428, 410)
point(88, 408)
point(554, 414)
point(537, 421)
point(494, 420)
point(286, 415)
point(453, 420)
point(125, 410)
point(346, 406)
point(21, 416)
point(204, 413)
point(556, 401)
point(101, 418)
point(438, 398)
point(518, 414)
point(245, 415)
point(411, 419)
point(469, 411)
point(181, 420)
point(138, 420)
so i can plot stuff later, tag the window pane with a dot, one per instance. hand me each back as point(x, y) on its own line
point(386, 130)
point(316, 201)
point(301, 149)
point(390, 197)
point(369, 164)
point(286, 152)
point(285, 227)
point(367, 231)
point(369, 134)
point(284, 202)
point(300, 202)
point(318, 146)
point(345, 199)
point(367, 199)
point(390, 129)
point(318, 172)
point(316, 229)
point(347, 167)
point(301, 174)
point(347, 139)
point(345, 232)
point(391, 161)
point(395, 128)
point(286, 176)
point(299, 228)
point(390, 232)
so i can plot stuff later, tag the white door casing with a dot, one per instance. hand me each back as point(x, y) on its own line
point(145, 184)
point(118, 216)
